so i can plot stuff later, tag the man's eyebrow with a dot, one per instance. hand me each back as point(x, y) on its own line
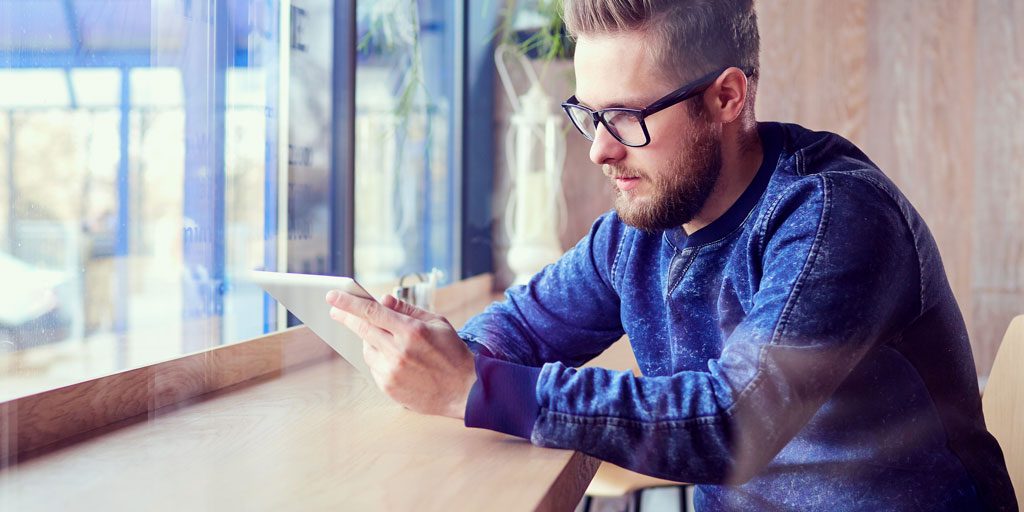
point(637, 103)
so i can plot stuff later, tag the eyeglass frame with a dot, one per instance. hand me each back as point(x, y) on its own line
point(677, 96)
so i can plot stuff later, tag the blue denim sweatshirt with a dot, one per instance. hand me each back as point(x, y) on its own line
point(802, 352)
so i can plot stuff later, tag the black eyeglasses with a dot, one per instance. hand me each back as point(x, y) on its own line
point(627, 124)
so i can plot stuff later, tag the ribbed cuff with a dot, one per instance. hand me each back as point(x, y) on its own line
point(504, 397)
point(474, 344)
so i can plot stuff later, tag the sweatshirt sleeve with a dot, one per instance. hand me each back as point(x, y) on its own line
point(827, 252)
point(568, 312)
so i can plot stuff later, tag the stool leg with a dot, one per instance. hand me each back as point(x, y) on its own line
point(638, 500)
point(684, 504)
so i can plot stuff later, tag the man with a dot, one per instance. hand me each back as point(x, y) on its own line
point(800, 345)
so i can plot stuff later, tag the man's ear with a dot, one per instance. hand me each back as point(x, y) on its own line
point(726, 97)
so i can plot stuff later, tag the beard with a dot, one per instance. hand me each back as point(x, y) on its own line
point(677, 193)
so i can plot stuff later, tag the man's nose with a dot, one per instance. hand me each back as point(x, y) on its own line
point(606, 149)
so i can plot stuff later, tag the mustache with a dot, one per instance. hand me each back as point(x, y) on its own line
point(615, 172)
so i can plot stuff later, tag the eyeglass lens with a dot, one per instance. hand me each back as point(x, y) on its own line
point(623, 125)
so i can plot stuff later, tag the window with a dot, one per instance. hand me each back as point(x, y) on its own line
point(138, 146)
point(152, 152)
point(405, 155)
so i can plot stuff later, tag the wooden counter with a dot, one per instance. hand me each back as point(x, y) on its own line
point(320, 437)
point(317, 436)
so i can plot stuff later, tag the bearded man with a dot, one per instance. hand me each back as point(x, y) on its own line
point(800, 346)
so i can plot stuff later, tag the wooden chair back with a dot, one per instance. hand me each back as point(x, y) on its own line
point(1003, 402)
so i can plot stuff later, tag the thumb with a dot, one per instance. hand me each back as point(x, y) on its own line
point(400, 306)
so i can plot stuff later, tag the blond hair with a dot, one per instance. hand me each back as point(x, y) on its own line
point(690, 37)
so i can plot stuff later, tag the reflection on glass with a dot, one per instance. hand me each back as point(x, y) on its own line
point(404, 125)
point(310, 137)
point(134, 162)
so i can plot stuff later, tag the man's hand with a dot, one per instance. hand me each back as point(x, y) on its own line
point(415, 356)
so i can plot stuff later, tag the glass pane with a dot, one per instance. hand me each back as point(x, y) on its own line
point(137, 153)
point(310, 137)
point(405, 173)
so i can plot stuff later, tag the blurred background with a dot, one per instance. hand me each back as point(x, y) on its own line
point(154, 151)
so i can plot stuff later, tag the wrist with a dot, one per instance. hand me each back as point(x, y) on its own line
point(458, 407)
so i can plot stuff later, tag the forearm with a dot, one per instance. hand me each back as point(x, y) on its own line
point(671, 427)
point(568, 312)
point(532, 328)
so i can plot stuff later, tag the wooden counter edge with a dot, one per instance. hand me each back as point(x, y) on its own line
point(568, 488)
point(41, 419)
point(35, 421)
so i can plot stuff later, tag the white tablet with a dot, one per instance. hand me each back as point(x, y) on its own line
point(304, 294)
